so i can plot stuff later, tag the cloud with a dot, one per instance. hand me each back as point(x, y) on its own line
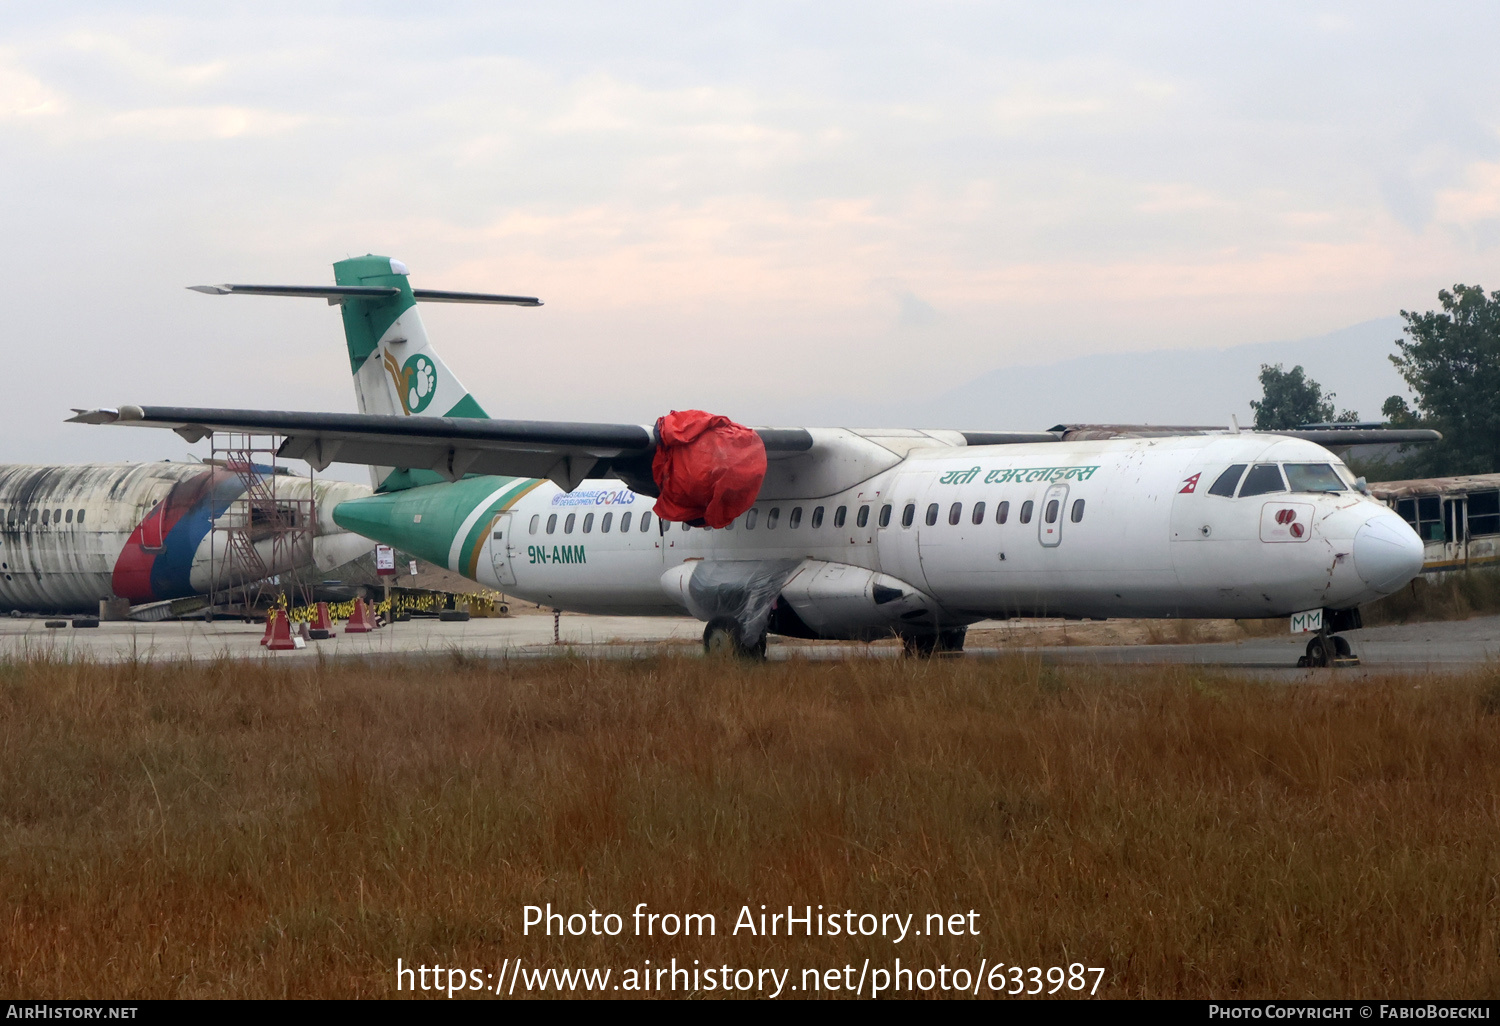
point(23, 97)
point(198, 123)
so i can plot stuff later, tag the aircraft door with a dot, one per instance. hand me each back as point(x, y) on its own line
point(501, 550)
point(1054, 511)
point(896, 537)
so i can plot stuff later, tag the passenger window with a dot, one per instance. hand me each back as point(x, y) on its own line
point(1312, 477)
point(955, 514)
point(536, 523)
point(604, 524)
point(839, 515)
point(1262, 479)
point(909, 514)
point(1026, 511)
point(57, 516)
point(568, 523)
point(1051, 514)
point(46, 517)
point(588, 522)
point(645, 521)
point(885, 515)
point(795, 520)
point(1002, 512)
point(80, 516)
point(978, 517)
point(817, 520)
point(773, 516)
point(625, 521)
point(751, 518)
point(1225, 482)
point(35, 516)
point(70, 516)
point(552, 523)
point(1077, 513)
point(729, 526)
point(932, 512)
point(863, 516)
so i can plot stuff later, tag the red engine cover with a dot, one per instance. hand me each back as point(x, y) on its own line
point(709, 469)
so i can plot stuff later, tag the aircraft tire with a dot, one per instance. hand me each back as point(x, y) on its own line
point(918, 646)
point(453, 615)
point(1317, 652)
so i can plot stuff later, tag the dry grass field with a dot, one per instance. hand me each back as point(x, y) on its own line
point(254, 830)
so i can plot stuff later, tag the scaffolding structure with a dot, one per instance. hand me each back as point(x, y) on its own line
point(264, 533)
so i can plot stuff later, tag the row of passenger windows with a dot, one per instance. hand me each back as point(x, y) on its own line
point(794, 518)
point(19, 517)
point(1002, 512)
point(605, 523)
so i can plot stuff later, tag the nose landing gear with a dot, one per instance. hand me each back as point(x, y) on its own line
point(1327, 649)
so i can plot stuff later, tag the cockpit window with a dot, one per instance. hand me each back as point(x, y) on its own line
point(1262, 479)
point(1224, 484)
point(1312, 477)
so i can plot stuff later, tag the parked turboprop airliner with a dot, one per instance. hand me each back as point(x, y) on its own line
point(855, 534)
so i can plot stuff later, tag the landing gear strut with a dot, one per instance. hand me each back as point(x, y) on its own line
point(722, 637)
point(944, 644)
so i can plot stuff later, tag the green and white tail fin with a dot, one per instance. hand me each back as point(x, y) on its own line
point(396, 372)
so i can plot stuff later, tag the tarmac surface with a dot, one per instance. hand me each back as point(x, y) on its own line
point(1446, 646)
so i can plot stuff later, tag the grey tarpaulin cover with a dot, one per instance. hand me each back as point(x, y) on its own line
point(742, 590)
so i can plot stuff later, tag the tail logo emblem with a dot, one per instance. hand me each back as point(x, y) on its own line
point(416, 382)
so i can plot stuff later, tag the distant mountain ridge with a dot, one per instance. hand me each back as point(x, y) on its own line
point(1166, 386)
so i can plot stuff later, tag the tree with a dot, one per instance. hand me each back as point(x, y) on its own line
point(1451, 363)
point(1290, 399)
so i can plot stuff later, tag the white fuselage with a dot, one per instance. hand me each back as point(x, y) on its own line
point(1122, 527)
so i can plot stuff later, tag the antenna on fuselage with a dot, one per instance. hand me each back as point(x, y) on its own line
point(1235, 422)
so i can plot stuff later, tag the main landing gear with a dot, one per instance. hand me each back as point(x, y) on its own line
point(722, 637)
point(943, 644)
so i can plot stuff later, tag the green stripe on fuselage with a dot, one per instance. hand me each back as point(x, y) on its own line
point(424, 520)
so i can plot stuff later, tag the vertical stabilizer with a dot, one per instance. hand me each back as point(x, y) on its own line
point(395, 369)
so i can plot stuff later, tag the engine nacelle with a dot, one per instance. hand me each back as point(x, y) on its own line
point(837, 600)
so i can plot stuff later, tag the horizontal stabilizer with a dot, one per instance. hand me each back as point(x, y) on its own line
point(339, 293)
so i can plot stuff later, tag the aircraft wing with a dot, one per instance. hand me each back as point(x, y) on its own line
point(1329, 437)
point(561, 451)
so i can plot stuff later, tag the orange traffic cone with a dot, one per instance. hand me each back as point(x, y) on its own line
point(360, 620)
point(322, 624)
point(281, 632)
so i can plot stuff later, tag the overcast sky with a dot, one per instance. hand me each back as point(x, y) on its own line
point(771, 210)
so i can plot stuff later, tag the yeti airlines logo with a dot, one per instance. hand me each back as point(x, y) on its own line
point(416, 382)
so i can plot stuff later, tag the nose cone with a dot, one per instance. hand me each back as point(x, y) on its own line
point(1387, 552)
